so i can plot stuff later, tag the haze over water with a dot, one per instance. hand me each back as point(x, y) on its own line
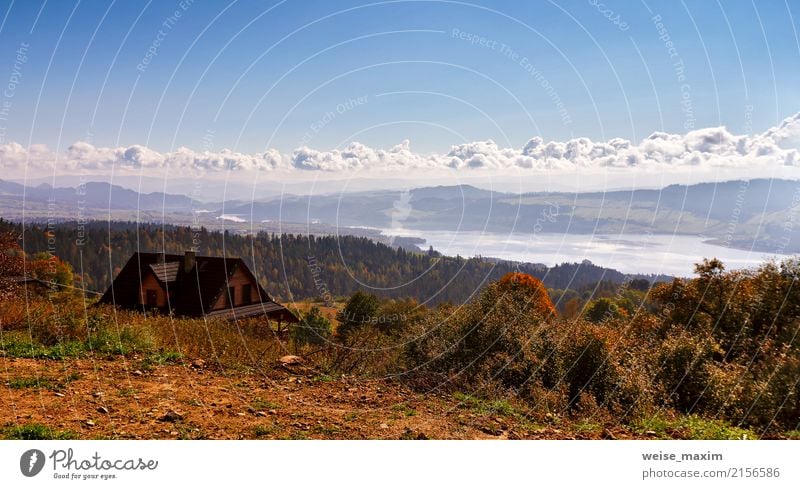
point(628, 253)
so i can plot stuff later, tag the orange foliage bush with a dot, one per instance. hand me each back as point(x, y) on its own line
point(517, 282)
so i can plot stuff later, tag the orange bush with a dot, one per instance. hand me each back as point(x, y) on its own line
point(532, 287)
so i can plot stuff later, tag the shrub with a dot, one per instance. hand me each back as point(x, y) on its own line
point(313, 329)
point(686, 363)
point(361, 309)
point(35, 431)
point(493, 342)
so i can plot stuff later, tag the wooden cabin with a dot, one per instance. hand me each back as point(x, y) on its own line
point(193, 286)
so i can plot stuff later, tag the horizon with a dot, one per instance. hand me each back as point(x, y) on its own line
point(42, 183)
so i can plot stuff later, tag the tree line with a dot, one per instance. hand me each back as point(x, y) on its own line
point(294, 266)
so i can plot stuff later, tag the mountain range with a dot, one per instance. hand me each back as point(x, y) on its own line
point(757, 214)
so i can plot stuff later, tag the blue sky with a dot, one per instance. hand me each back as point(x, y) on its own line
point(250, 74)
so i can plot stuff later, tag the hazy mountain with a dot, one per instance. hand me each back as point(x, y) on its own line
point(757, 214)
point(93, 195)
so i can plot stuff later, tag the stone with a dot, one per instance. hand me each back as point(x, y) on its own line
point(103, 410)
point(261, 414)
point(89, 422)
point(171, 417)
point(138, 373)
point(291, 360)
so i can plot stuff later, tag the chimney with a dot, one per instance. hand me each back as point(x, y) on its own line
point(189, 259)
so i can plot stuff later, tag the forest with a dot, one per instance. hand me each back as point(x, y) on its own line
point(296, 267)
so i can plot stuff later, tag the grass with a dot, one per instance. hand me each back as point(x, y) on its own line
point(587, 427)
point(261, 431)
point(482, 406)
point(692, 427)
point(127, 392)
point(190, 432)
point(160, 358)
point(16, 346)
point(42, 382)
point(30, 382)
point(127, 340)
point(299, 435)
point(405, 409)
point(35, 431)
point(330, 431)
point(259, 404)
point(793, 435)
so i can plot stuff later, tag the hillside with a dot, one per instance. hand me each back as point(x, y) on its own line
point(108, 399)
point(297, 267)
point(708, 357)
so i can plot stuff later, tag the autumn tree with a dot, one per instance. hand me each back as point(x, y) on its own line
point(12, 263)
point(529, 291)
point(50, 269)
point(313, 329)
point(361, 309)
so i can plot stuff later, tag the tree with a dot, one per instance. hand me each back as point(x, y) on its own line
point(313, 329)
point(528, 289)
point(396, 315)
point(51, 269)
point(12, 262)
point(572, 308)
point(603, 309)
point(361, 309)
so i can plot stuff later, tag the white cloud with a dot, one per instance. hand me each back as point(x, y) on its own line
point(713, 147)
point(710, 148)
point(230, 217)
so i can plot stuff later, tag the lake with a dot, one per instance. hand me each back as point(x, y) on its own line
point(628, 253)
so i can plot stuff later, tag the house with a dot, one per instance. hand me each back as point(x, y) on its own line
point(193, 286)
point(28, 282)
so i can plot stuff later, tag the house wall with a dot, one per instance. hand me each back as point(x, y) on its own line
point(149, 281)
point(238, 279)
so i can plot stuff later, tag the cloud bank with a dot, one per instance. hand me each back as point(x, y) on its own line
point(705, 149)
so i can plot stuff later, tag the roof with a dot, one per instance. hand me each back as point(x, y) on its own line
point(192, 292)
point(270, 309)
point(23, 279)
point(166, 272)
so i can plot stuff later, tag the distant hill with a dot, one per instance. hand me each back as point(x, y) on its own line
point(759, 214)
point(93, 195)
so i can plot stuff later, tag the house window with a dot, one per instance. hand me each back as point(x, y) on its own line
point(151, 298)
point(231, 296)
point(246, 294)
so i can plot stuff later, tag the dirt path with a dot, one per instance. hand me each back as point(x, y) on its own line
point(118, 399)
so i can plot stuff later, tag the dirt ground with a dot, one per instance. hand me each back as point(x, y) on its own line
point(117, 399)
